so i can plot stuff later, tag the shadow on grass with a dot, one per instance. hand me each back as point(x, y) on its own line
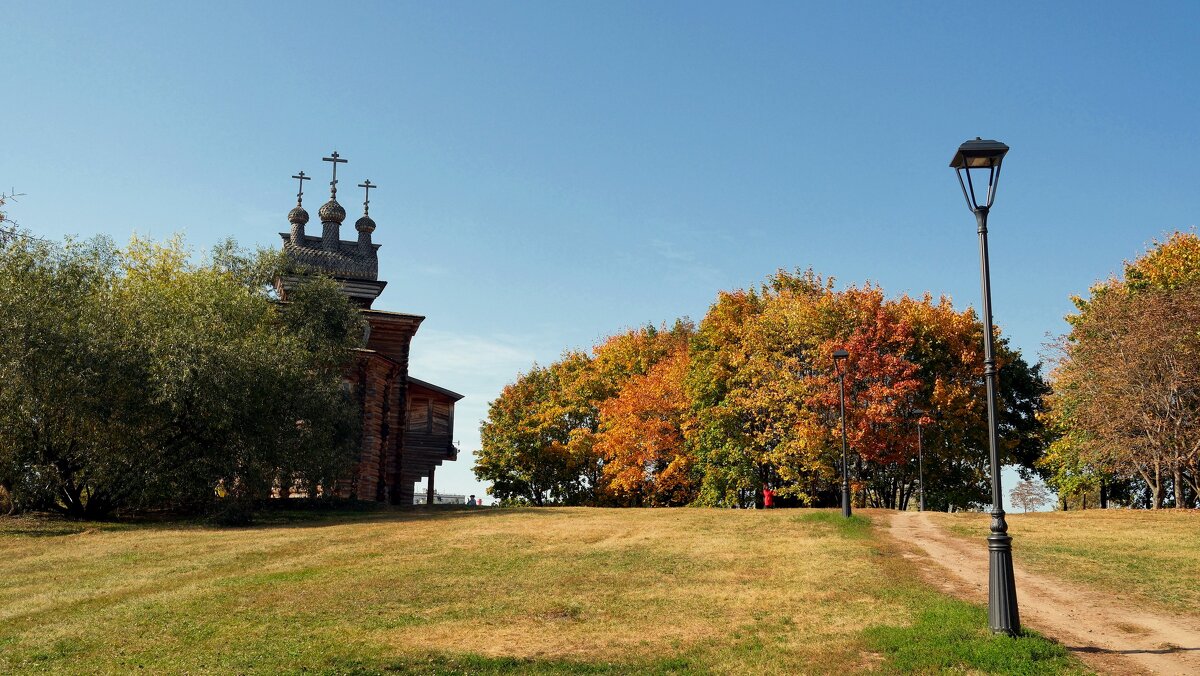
point(55, 525)
point(1170, 649)
point(47, 532)
point(446, 664)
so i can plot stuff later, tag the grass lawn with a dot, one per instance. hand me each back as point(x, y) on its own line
point(1145, 556)
point(552, 590)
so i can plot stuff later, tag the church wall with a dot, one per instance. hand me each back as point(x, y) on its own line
point(375, 383)
point(390, 459)
point(395, 423)
point(428, 436)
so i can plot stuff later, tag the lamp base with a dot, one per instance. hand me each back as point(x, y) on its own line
point(1003, 615)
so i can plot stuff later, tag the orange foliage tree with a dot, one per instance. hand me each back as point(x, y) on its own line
point(540, 440)
point(748, 399)
point(641, 438)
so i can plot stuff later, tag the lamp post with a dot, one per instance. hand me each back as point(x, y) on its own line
point(986, 156)
point(920, 462)
point(840, 356)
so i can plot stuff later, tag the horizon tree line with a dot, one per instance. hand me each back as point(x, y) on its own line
point(710, 414)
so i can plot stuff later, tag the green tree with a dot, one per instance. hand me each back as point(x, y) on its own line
point(135, 378)
point(525, 451)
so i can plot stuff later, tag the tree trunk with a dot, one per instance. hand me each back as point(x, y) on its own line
point(1177, 481)
point(1084, 496)
point(1193, 478)
point(1153, 485)
point(1103, 494)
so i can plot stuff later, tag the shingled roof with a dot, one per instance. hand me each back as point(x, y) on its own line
point(348, 260)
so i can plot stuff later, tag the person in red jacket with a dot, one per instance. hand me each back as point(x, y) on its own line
point(768, 497)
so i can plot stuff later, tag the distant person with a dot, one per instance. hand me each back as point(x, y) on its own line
point(471, 501)
point(768, 497)
point(479, 502)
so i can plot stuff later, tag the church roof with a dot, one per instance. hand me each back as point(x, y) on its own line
point(354, 264)
point(430, 386)
point(348, 260)
point(392, 313)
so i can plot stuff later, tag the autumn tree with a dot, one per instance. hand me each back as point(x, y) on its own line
point(642, 437)
point(543, 439)
point(712, 414)
point(524, 452)
point(881, 386)
point(1133, 381)
point(753, 358)
point(730, 474)
point(1126, 402)
point(948, 350)
point(767, 398)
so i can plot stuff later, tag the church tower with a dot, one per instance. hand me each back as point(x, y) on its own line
point(354, 264)
point(407, 424)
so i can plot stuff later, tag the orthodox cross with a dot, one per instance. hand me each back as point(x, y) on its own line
point(303, 178)
point(333, 184)
point(367, 198)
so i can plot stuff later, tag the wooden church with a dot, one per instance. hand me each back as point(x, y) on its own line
point(407, 424)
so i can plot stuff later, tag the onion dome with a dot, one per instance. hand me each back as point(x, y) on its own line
point(298, 216)
point(331, 212)
point(365, 224)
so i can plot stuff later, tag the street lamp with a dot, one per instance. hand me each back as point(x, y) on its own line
point(982, 156)
point(838, 357)
point(920, 461)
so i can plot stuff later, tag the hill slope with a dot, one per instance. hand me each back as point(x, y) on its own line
point(537, 590)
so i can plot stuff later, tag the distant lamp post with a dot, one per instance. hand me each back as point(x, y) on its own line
point(840, 356)
point(920, 462)
point(974, 160)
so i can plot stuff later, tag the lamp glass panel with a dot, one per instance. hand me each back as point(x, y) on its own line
point(982, 161)
point(979, 182)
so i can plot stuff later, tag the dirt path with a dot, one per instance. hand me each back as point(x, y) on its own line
point(1106, 632)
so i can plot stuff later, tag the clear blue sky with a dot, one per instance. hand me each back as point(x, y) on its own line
point(553, 172)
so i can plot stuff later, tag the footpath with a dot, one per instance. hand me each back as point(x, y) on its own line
point(1107, 632)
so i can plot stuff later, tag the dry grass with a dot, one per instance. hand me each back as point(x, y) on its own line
point(550, 590)
point(1147, 556)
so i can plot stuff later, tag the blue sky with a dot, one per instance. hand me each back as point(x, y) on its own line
point(553, 172)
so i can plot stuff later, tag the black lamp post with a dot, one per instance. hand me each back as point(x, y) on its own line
point(838, 357)
point(920, 462)
point(982, 157)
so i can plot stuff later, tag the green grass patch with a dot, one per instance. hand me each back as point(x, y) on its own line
point(857, 526)
point(951, 636)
